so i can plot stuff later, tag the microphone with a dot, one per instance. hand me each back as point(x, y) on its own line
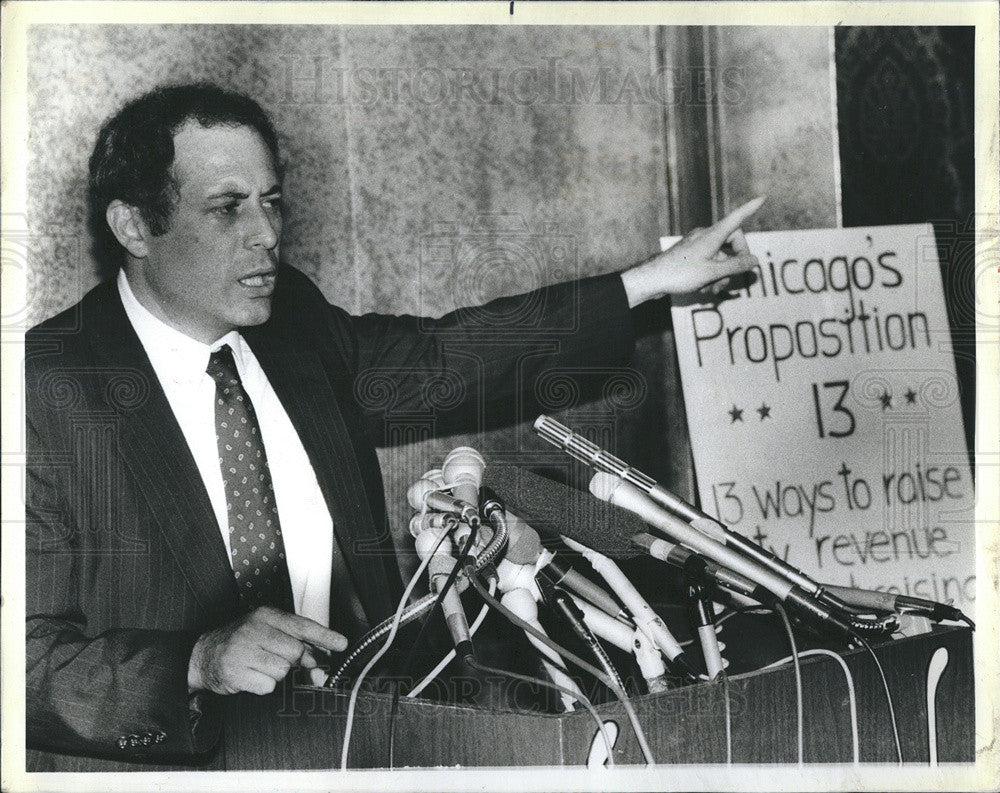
point(436, 475)
point(806, 592)
point(553, 509)
point(612, 630)
point(735, 583)
point(590, 453)
point(438, 569)
point(703, 614)
point(629, 639)
point(462, 472)
point(524, 543)
point(579, 448)
point(610, 488)
point(694, 564)
point(423, 521)
point(573, 614)
point(608, 525)
point(647, 620)
point(523, 604)
point(426, 494)
point(607, 487)
point(899, 604)
point(559, 509)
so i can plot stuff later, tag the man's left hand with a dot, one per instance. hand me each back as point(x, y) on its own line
point(701, 258)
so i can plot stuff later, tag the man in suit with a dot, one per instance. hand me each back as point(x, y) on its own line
point(205, 508)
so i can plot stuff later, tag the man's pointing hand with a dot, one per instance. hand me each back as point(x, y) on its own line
point(696, 261)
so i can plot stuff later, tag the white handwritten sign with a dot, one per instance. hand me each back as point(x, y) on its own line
point(823, 411)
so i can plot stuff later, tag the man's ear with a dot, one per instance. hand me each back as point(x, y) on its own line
point(129, 228)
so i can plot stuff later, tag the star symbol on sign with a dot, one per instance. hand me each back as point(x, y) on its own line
point(736, 414)
point(886, 400)
point(911, 396)
point(764, 410)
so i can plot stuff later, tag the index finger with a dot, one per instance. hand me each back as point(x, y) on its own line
point(308, 630)
point(738, 241)
point(725, 227)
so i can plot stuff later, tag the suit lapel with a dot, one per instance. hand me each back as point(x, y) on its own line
point(153, 447)
point(305, 390)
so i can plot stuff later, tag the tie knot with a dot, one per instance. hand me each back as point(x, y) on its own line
point(222, 367)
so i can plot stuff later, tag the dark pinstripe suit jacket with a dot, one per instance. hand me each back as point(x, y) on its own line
point(125, 563)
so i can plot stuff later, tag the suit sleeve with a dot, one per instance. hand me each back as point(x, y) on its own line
point(498, 350)
point(122, 693)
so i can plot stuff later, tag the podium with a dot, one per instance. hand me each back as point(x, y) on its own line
point(682, 725)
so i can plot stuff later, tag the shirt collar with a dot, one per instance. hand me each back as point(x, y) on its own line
point(174, 354)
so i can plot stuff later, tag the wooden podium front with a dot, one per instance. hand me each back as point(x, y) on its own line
point(684, 725)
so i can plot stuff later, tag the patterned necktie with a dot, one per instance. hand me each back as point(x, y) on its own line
point(257, 551)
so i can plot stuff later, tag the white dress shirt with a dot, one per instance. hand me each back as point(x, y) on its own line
point(180, 362)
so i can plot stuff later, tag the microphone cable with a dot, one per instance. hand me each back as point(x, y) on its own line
point(848, 678)
point(414, 692)
point(799, 732)
point(574, 616)
point(724, 680)
point(489, 553)
point(725, 616)
point(578, 696)
point(796, 656)
point(397, 617)
point(587, 667)
point(888, 698)
point(449, 581)
point(852, 700)
point(851, 695)
point(412, 612)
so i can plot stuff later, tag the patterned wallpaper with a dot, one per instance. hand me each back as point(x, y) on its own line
point(906, 122)
point(906, 116)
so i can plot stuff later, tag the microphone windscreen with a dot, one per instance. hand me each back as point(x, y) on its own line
point(553, 508)
point(523, 544)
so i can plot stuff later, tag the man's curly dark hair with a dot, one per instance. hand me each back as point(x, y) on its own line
point(134, 154)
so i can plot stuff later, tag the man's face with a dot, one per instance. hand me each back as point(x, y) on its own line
point(214, 269)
